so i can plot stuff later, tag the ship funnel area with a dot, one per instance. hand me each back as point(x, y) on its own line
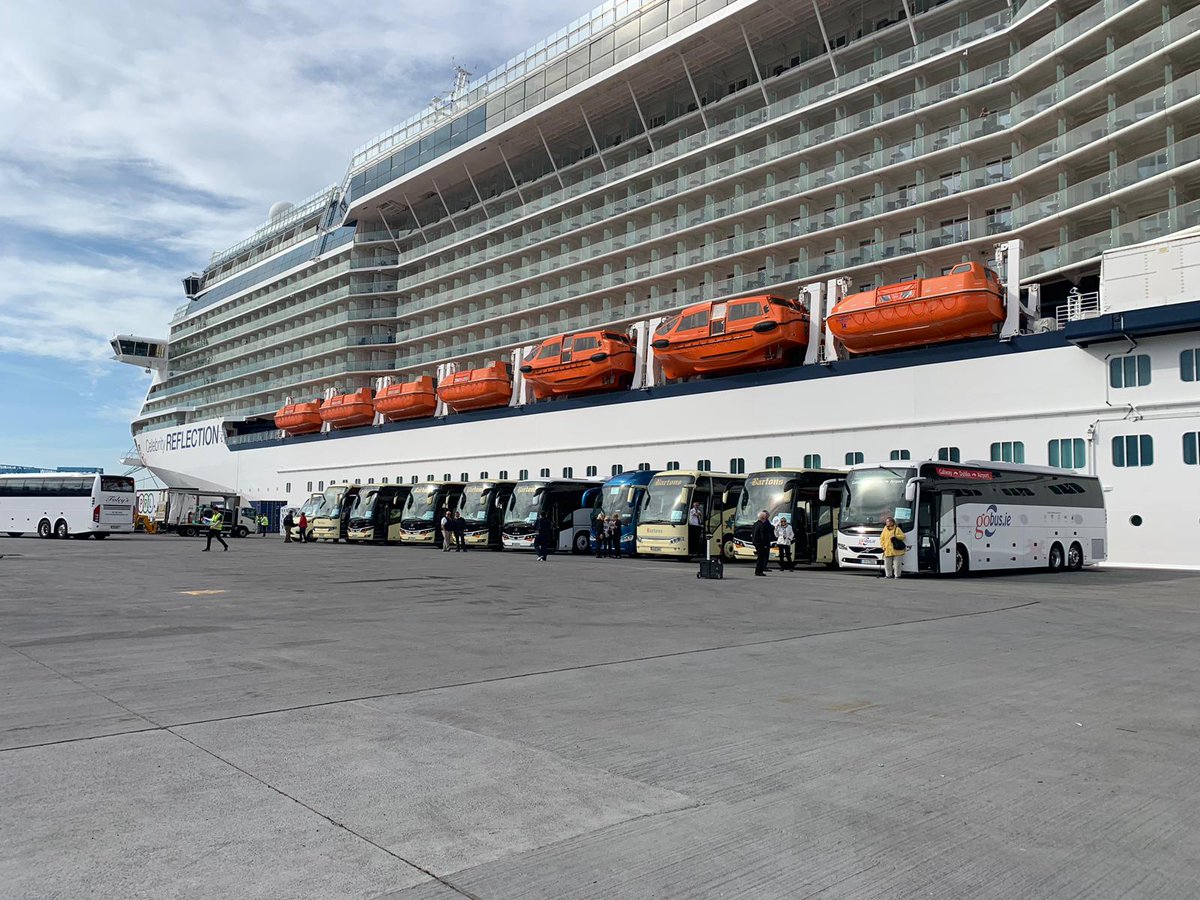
point(145, 353)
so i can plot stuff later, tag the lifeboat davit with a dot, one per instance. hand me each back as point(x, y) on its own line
point(409, 400)
point(967, 303)
point(580, 364)
point(299, 418)
point(728, 336)
point(477, 388)
point(349, 410)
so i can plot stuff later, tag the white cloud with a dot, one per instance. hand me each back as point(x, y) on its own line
point(140, 137)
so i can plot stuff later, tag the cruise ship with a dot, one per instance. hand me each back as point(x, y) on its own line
point(658, 154)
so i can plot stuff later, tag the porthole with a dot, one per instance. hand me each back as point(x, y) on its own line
point(1135, 521)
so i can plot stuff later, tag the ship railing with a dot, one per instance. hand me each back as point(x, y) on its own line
point(1078, 306)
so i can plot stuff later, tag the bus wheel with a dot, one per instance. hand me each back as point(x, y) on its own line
point(727, 550)
point(45, 530)
point(100, 535)
point(1055, 562)
point(61, 530)
point(962, 561)
point(582, 543)
point(1075, 558)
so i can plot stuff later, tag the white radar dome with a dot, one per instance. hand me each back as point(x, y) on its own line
point(278, 209)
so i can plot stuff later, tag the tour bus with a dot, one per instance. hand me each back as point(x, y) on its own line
point(792, 493)
point(973, 516)
point(310, 509)
point(567, 503)
point(482, 509)
point(423, 511)
point(377, 514)
point(60, 504)
point(663, 522)
point(331, 519)
point(623, 495)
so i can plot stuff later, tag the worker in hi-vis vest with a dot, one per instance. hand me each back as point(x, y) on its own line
point(214, 530)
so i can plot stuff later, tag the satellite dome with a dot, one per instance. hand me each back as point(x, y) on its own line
point(278, 209)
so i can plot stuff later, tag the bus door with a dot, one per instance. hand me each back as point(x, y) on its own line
point(805, 543)
point(935, 531)
point(710, 510)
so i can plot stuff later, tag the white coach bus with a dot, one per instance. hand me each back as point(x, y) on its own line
point(977, 515)
point(61, 504)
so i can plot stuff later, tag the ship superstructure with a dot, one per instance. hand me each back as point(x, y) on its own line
point(655, 155)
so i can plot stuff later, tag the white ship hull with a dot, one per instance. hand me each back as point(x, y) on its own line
point(1036, 390)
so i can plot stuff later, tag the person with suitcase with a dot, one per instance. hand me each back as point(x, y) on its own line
point(762, 536)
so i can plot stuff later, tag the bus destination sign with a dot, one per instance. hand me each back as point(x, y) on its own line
point(964, 474)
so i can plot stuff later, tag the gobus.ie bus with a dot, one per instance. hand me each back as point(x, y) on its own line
point(623, 495)
point(566, 502)
point(377, 514)
point(663, 524)
point(423, 511)
point(483, 506)
point(64, 505)
point(794, 493)
point(977, 515)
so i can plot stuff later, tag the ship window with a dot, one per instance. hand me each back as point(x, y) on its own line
point(1132, 451)
point(644, 467)
point(1129, 371)
point(504, 474)
point(551, 349)
point(737, 466)
point(464, 476)
point(704, 465)
point(949, 454)
point(321, 486)
point(1191, 449)
point(522, 474)
point(414, 480)
point(370, 481)
point(383, 480)
point(288, 487)
point(545, 473)
point(1008, 451)
point(309, 489)
point(812, 460)
point(1067, 453)
point(695, 320)
point(568, 472)
point(772, 462)
point(854, 457)
point(592, 471)
point(1189, 365)
point(900, 454)
point(618, 469)
point(672, 465)
point(482, 476)
point(739, 311)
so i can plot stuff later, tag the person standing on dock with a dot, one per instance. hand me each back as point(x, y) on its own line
point(288, 522)
point(543, 536)
point(214, 531)
point(762, 535)
point(303, 526)
point(695, 529)
point(894, 548)
point(784, 537)
point(263, 524)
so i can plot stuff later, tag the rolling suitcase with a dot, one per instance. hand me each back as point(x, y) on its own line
point(710, 567)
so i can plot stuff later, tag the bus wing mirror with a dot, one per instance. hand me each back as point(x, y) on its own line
point(910, 489)
point(823, 490)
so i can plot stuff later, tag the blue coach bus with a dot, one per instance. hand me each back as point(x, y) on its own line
point(623, 494)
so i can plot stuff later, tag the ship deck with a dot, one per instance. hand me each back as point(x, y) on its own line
point(335, 721)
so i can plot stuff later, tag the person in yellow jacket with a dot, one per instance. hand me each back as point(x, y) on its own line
point(893, 556)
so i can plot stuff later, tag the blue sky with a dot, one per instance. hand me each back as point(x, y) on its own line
point(138, 138)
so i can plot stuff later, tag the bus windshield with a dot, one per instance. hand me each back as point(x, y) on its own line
point(870, 495)
point(421, 503)
point(525, 504)
point(331, 501)
point(476, 501)
point(667, 499)
point(312, 505)
point(621, 499)
point(365, 507)
point(770, 492)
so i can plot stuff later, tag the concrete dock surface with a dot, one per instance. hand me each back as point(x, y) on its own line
point(333, 721)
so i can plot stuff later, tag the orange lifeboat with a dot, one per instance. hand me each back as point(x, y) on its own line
point(349, 410)
point(477, 388)
point(299, 418)
point(727, 336)
point(580, 364)
point(967, 303)
point(410, 400)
